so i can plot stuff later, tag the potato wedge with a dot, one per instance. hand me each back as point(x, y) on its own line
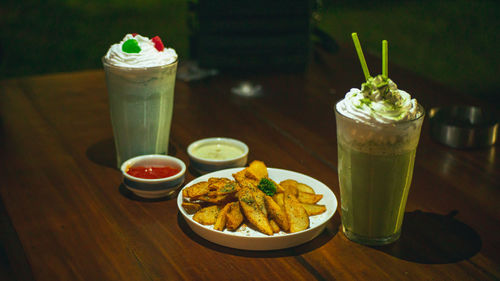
point(279, 188)
point(222, 185)
point(259, 197)
point(207, 215)
point(278, 198)
point(191, 208)
point(274, 226)
point(290, 186)
point(244, 181)
point(234, 217)
point(196, 190)
point(296, 214)
point(309, 198)
point(218, 199)
point(305, 188)
point(277, 214)
point(314, 209)
point(258, 168)
point(249, 175)
point(252, 211)
point(228, 188)
point(220, 221)
point(239, 176)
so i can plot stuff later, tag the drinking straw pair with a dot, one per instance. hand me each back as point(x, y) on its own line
point(362, 60)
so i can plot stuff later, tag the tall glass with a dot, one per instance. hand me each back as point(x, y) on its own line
point(375, 166)
point(141, 102)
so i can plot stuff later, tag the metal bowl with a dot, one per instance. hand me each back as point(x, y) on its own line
point(463, 126)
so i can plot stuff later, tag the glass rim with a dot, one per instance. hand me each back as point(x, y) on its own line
point(107, 64)
point(384, 124)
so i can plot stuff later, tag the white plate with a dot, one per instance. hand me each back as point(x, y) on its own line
point(250, 239)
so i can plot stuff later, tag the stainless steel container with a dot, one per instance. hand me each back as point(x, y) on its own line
point(463, 126)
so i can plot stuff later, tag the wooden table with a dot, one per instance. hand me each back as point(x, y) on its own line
point(66, 216)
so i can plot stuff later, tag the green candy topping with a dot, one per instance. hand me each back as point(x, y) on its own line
point(131, 46)
point(381, 88)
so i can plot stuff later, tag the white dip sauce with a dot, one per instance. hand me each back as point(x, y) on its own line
point(217, 151)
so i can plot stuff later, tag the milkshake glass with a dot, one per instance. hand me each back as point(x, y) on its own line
point(141, 100)
point(375, 166)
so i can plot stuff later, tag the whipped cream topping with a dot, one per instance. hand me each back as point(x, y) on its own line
point(379, 101)
point(149, 56)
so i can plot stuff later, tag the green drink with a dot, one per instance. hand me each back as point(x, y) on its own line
point(368, 210)
point(375, 165)
point(378, 128)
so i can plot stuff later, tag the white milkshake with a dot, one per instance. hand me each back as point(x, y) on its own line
point(140, 76)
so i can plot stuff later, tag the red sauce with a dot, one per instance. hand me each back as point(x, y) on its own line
point(152, 172)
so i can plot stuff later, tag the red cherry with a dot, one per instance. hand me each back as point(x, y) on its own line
point(158, 44)
point(134, 34)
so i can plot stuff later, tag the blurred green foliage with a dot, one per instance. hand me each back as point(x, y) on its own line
point(70, 35)
point(454, 42)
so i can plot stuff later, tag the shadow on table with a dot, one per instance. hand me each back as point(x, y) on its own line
point(430, 238)
point(131, 196)
point(330, 231)
point(104, 153)
point(14, 264)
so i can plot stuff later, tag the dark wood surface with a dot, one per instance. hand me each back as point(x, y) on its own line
point(66, 216)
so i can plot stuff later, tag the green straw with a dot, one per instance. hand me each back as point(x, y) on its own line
point(385, 59)
point(360, 55)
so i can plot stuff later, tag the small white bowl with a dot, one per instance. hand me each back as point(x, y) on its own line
point(153, 188)
point(206, 164)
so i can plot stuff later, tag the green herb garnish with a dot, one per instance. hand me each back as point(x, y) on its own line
point(267, 186)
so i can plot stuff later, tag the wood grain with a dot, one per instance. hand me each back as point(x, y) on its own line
point(66, 215)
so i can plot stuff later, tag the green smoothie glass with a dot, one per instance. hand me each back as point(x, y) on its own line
point(375, 167)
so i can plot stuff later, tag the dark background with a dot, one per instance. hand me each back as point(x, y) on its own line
point(453, 42)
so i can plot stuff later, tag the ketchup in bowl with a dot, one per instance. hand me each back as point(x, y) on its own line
point(152, 172)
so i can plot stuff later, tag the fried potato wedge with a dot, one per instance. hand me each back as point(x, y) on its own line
point(191, 208)
point(217, 182)
point(278, 198)
point(220, 221)
point(279, 188)
point(252, 211)
point(207, 215)
point(244, 181)
point(260, 199)
point(239, 176)
point(234, 217)
point(258, 168)
point(309, 198)
point(228, 188)
point(218, 199)
point(305, 188)
point(251, 176)
point(274, 226)
point(222, 186)
point(296, 214)
point(196, 190)
point(290, 186)
point(313, 209)
point(277, 214)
